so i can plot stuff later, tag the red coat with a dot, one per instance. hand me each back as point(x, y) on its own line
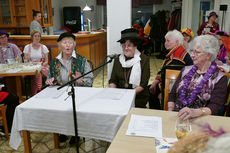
point(213, 29)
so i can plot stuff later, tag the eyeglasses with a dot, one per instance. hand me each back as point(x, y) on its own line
point(127, 45)
point(3, 37)
point(197, 52)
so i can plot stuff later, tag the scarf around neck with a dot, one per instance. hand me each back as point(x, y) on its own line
point(135, 76)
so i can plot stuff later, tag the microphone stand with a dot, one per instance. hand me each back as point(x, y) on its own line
point(72, 94)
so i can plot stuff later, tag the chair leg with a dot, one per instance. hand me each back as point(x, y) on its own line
point(5, 123)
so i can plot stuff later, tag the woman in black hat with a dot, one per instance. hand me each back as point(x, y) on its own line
point(131, 69)
point(68, 64)
point(209, 27)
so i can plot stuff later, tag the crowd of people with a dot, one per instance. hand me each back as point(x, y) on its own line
point(198, 90)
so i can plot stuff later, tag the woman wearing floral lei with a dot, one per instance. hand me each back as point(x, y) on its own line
point(199, 89)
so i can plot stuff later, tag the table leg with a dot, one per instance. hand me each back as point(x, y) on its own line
point(27, 142)
point(19, 88)
point(14, 85)
point(56, 141)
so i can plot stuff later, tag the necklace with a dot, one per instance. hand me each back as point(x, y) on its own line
point(198, 89)
point(126, 75)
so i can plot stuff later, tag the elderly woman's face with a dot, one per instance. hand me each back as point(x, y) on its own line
point(66, 46)
point(200, 57)
point(128, 48)
point(3, 39)
point(36, 37)
point(170, 42)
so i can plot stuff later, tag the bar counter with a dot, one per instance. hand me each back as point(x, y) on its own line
point(93, 46)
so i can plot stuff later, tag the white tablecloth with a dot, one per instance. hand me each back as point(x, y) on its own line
point(100, 112)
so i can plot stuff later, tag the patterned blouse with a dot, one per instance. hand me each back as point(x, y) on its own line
point(212, 95)
point(63, 74)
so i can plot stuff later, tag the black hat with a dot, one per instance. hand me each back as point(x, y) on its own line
point(66, 34)
point(212, 14)
point(129, 34)
point(4, 33)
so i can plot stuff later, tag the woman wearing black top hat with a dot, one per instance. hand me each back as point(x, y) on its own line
point(131, 69)
point(209, 27)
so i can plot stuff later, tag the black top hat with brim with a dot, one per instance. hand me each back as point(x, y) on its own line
point(65, 35)
point(4, 33)
point(129, 34)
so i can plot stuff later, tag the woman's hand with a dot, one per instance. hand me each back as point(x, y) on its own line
point(185, 113)
point(219, 62)
point(152, 88)
point(50, 81)
point(112, 85)
point(79, 81)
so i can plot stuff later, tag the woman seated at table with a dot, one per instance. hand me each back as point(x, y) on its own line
point(11, 101)
point(222, 50)
point(37, 52)
point(131, 69)
point(177, 55)
point(68, 64)
point(9, 53)
point(200, 89)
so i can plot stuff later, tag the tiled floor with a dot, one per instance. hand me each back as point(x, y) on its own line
point(43, 142)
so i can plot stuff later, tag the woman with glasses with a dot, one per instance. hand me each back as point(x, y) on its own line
point(68, 64)
point(200, 89)
point(9, 53)
point(131, 69)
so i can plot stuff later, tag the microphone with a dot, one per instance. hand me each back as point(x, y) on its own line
point(112, 56)
point(47, 85)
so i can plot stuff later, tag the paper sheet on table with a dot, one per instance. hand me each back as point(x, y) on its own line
point(13, 70)
point(164, 144)
point(52, 92)
point(110, 93)
point(147, 126)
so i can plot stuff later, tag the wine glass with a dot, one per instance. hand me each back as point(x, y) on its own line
point(182, 128)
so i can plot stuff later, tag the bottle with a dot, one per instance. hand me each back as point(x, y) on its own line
point(10, 56)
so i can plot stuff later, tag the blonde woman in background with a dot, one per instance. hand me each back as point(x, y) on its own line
point(37, 52)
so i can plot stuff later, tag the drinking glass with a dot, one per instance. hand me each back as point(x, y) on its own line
point(182, 128)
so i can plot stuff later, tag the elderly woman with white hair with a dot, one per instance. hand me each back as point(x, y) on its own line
point(177, 55)
point(200, 89)
point(68, 64)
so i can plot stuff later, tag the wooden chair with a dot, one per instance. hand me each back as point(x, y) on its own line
point(3, 118)
point(170, 78)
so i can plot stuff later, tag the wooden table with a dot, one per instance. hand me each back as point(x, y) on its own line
point(131, 144)
point(13, 81)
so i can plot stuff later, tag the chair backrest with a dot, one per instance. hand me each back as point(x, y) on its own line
point(163, 71)
point(170, 78)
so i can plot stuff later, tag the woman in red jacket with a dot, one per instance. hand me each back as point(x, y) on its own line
point(12, 101)
point(209, 27)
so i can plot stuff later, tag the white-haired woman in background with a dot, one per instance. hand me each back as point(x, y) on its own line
point(177, 56)
point(200, 89)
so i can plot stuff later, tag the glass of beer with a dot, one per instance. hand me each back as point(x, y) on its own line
point(182, 128)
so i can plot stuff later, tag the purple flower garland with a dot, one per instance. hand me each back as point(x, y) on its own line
point(198, 89)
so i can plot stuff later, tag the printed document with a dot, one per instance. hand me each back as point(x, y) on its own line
point(147, 126)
